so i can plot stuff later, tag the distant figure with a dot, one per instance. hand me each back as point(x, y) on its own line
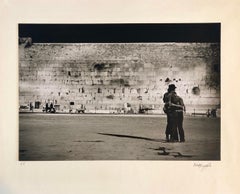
point(51, 107)
point(47, 107)
point(208, 113)
point(214, 113)
point(31, 107)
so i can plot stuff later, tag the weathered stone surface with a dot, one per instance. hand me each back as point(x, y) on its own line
point(89, 73)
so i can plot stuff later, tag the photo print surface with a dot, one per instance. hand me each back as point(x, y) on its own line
point(119, 92)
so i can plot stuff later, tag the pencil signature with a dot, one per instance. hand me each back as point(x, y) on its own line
point(202, 166)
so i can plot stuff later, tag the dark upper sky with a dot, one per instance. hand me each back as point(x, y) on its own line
point(114, 33)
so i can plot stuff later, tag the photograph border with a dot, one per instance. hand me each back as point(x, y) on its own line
point(119, 176)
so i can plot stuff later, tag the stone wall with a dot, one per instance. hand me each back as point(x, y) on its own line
point(115, 77)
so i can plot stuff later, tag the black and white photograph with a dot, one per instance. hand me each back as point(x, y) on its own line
point(119, 97)
point(119, 92)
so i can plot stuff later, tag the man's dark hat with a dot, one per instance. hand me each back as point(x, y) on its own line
point(171, 87)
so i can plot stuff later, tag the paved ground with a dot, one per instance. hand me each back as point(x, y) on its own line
point(108, 137)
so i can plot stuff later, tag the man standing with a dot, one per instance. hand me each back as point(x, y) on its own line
point(166, 111)
point(31, 106)
point(169, 109)
point(179, 110)
point(174, 108)
point(177, 106)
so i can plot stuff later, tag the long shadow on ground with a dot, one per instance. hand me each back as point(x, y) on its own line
point(163, 150)
point(133, 137)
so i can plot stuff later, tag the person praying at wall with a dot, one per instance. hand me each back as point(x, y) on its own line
point(51, 107)
point(46, 107)
point(31, 107)
point(208, 113)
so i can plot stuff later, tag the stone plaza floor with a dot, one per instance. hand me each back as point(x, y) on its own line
point(60, 137)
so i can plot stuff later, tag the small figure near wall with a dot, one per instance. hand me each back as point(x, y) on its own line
point(31, 107)
point(213, 113)
point(46, 107)
point(208, 113)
